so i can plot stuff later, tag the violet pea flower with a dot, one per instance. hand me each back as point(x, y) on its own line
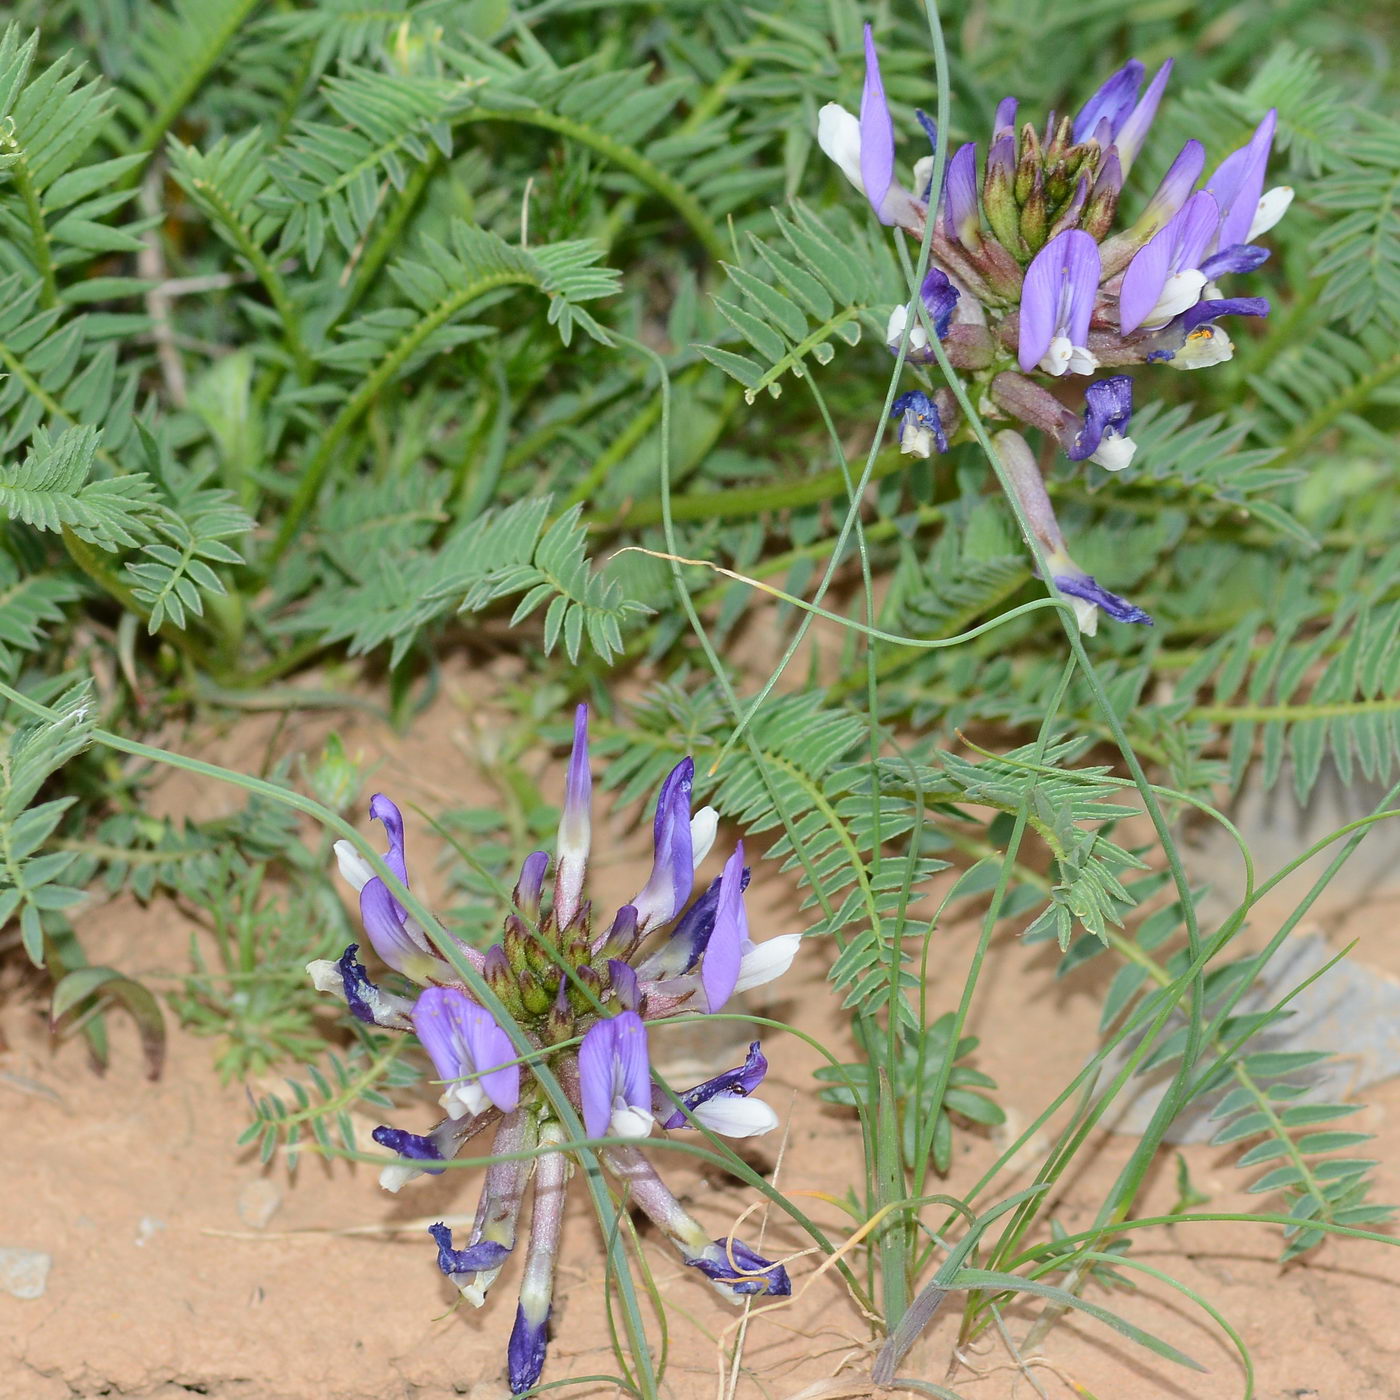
point(1057, 301)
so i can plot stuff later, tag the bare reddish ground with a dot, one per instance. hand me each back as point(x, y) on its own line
point(160, 1288)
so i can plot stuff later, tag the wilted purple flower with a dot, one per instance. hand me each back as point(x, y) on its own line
point(940, 299)
point(483, 1255)
point(725, 1104)
point(1085, 593)
point(739, 1272)
point(1194, 341)
point(1108, 409)
point(1056, 304)
point(583, 998)
point(346, 978)
point(921, 426)
point(736, 1271)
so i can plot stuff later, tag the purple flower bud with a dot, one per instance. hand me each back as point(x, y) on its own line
point(739, 1272)
point(624, 984)
point(719, 972)
point(1113, 101)
point(673, 867)
point(1004, 123)
point(615, 1078)
point(484, 1255)
point(1057, 301)
point(958, 207)
point(529, 886)
point(1239, 181)
point(876, 135)
point(1128, 137)
point(469, 1051)
point(530, 1335)
point(575, 829)
point(621, 939)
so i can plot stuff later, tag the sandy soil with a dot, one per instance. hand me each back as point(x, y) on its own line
point(169, 1278)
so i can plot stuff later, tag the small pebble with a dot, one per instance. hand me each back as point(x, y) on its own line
point(24, 1273)
point(258, 1202)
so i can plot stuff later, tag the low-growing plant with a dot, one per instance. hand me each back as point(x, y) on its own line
point(344, 348)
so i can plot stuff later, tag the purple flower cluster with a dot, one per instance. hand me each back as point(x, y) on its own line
point(582, 996)
point(1027, 276)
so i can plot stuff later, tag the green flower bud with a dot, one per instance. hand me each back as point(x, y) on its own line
point(1035, 215)
point(1028, 167)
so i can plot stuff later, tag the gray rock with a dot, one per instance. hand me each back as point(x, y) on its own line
point(24, 1273)
point(1351, 1010)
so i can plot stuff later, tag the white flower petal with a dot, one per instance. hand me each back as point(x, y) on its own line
point(1086, 614)
point(762, 962)
point(1056, 359)
point(629, 1122)
point(1181, 292)
point(923, 174)
point(731, 1115)
point(1082, 361)
point(325, 977)
point(1273, 205)
point(465, 1099)
point(354, 868)
point(838, 134)
point(894, 333)
point(1114, 451)
point(398, 1174)
point(1203, 347)
point(915, 441)
point(703, 826)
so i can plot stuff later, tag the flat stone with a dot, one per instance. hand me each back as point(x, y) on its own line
point(24, 1273)
point(258, 1202)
